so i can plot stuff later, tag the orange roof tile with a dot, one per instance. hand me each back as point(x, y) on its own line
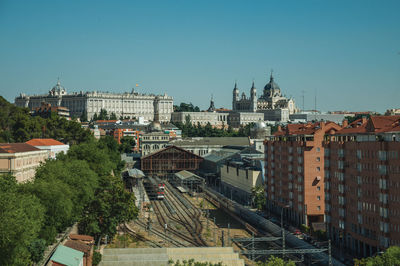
point(44, 142)
point(16, 147)
point(81, 237)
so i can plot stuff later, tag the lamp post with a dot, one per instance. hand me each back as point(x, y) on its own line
point(283, 232)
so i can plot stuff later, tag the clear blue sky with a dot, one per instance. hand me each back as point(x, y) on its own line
point(347, 52)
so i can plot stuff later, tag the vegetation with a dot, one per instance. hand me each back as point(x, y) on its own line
point(127, 144)
point(390, 257)
point(81, 186)
point(191, 262)
point(17, 125)
point(351, 119)
point(96, 258)
point(188, 130)
point(258, 195)
point(184, 107)
point(275, 261)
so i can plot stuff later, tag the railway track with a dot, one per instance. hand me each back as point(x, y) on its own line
point(189, 216)
point(126, 229)
point(161, 214)
point(161, 235)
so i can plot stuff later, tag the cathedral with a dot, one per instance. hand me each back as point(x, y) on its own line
point(271, 99)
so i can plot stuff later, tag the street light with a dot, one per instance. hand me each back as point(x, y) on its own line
point(283, 231)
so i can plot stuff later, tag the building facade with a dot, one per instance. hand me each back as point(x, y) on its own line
point(362, 181)
point(21, 160)
point(271, 103)
point(294, 171)
point(126, 104)
point(154, 141)
point(239, 177)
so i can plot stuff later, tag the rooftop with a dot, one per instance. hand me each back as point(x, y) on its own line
point(16, 147)
point(67, 256)
point(218, 141)
point(44, 142)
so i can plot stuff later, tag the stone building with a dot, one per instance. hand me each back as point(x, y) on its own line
point(271, 103)
point(21, 160)
point(126, 104)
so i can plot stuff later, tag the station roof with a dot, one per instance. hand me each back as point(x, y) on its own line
point(186, 175)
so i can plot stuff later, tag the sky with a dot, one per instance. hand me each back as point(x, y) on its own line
point(346, 54)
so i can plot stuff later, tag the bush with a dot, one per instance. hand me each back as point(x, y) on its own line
point(96, 258)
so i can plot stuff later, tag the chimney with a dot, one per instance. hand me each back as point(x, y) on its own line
point(363, 119)
point(345, 123)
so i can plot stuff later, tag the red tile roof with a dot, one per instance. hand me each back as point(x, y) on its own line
point(44, 142)
point(16, 147)
point(376, 124)
point(78, 245)
point(306, 129)
point(81, 237)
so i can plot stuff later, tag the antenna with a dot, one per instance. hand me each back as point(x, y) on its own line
point(315, 105)
point(302, 95)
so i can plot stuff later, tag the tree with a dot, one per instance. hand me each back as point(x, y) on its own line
point(37, 248)
point(275, 261)
point(103, 114)
point(258, 195)
point(83, 116)
point(113, 116)
point(127, 144)
point(21, 219)
point(390, 257)
point(112, 206)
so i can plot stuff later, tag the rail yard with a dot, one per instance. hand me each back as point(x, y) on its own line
point(177, 217)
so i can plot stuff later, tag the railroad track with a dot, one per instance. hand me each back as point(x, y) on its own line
point(126, 229)
point(189, 216)
point(161, 214)
point(161, 235)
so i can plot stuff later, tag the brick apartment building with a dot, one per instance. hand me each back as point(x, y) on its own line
point(362, 182)
point(294, 171)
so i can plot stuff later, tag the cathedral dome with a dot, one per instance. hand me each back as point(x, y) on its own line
point(57, 89)
point(272, 85)
point(260, 125)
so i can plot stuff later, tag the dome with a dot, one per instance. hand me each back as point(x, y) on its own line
point(57, 89)
point(260, 125)
point(272, 85)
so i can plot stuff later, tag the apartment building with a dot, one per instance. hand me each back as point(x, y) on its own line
point(362, 182)
point(294, 171)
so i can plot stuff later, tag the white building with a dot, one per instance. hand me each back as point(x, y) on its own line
point(274, 105)
point(126, 104)
point(51, 145)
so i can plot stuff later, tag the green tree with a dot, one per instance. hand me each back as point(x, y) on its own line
point(37, 248)
point(127, 144)
point(84, 117)
point(275, 261)
point(113, 116)
point(259, 198)
point(21, 219)
point(103, 114)
point(112, 206)
point(390, 257)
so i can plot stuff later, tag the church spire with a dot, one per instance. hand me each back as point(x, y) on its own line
point(271, 77)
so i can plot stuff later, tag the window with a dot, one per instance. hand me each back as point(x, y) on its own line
point(318, 149)
point(318, 208)
point(318, 197)
point(318, 159)
point(318, 188)
point(318, 169)
point(341, 153)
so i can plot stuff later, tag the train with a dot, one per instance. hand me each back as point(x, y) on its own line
point(155, 189)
